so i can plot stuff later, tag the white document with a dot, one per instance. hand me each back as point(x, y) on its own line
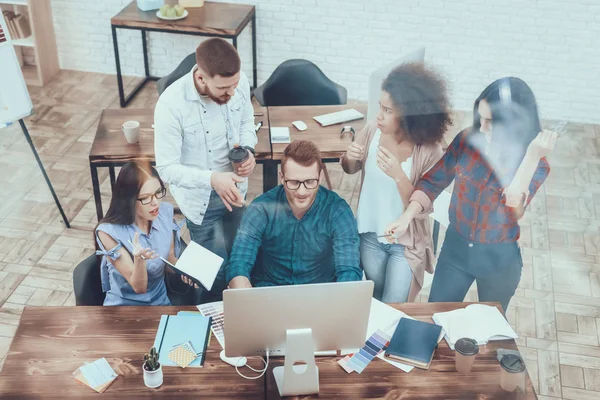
point(200, 264)
point(477, 321)
point(280, 135)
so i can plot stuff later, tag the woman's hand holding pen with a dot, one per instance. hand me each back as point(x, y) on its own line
point(141, 252)
point(149, 254)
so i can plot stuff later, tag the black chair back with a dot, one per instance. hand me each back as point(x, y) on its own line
point(299, 83)
point(183, 68)
point(87, 283)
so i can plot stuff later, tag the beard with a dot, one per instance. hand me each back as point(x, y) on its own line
point(219, 100)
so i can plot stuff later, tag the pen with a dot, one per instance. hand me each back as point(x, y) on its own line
point(259, 114)
point(387, 235)
point(257, 127)
point(162, 259)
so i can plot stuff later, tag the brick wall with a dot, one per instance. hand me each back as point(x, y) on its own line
point(553, 45)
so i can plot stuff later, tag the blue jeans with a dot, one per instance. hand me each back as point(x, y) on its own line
point(496, 268)
point(216, 233)
point(387, 267)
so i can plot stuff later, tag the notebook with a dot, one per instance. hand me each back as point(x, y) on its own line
point(414, 342)
point(477, 321)
point(280, 135)
point(177, 329)
point(97, 375)
point(199, 264)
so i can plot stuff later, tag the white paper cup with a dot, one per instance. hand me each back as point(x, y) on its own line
point(131, 129)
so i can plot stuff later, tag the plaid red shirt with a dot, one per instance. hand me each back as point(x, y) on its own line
point(477, 210)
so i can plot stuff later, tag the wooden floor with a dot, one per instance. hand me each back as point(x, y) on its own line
point(556, 310)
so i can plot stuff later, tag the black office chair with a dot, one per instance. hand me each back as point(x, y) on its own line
point(183, 68)
point(87, 283)
point(300, 83)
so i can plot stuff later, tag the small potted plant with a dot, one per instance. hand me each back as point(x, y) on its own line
point(153, 375)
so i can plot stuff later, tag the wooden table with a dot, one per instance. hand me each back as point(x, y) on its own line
point(222, 20)
point(52, 342)
point(382, 380)
point(110, 149)
point(327, 138)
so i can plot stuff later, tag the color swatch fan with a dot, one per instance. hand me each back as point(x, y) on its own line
point(15, 102)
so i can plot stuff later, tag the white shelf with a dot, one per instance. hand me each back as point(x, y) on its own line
point(27, 42)
point(14, 2)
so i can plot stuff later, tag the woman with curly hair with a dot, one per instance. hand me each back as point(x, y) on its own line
point(498, 164)
point(393, 153)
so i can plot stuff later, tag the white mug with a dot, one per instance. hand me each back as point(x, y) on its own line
point(131, 129)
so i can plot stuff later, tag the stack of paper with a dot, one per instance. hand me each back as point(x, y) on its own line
point(97, 375)
point(174, 330)
point(477, 321)
point(280, 135)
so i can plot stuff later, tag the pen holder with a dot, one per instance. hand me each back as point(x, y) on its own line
point(153, 379)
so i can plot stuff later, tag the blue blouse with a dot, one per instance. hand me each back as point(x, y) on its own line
point(118, 291)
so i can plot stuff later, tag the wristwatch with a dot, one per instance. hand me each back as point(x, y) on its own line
point(348, 129)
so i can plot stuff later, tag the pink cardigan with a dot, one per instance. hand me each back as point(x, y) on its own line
point(417, 240)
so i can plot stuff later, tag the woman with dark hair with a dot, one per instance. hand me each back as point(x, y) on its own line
point(392, 154)
point(137, 229)
point(498, 165)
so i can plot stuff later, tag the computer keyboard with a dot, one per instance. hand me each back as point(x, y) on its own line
point(338, 117)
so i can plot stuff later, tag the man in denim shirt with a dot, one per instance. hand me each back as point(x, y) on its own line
point(296, 233)
point(197, 120)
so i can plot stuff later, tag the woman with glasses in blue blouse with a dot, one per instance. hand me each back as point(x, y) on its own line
point(136, 232)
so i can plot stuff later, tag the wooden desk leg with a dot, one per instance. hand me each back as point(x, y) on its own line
point(96, 190)
point(111, 171)
point(254, 61)
point(118, 64)
point(145, 51)
point(269, 175)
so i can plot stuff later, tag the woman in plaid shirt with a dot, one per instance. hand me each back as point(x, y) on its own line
point(498, 165)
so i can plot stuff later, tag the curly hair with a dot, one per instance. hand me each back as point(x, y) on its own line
point(421, 97)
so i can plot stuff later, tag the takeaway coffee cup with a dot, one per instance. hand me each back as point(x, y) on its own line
point(237, 156)
point(466, 351)
point(512, 374)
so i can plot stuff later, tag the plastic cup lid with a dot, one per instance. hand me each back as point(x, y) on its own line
point(466, 347)
point(512, 363)
point(238, 155)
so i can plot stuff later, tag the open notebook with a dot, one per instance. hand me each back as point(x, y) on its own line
point(199, 264)
point(477, 321)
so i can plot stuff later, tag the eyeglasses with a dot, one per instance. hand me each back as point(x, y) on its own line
point(293, 184)
point(147, 199)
